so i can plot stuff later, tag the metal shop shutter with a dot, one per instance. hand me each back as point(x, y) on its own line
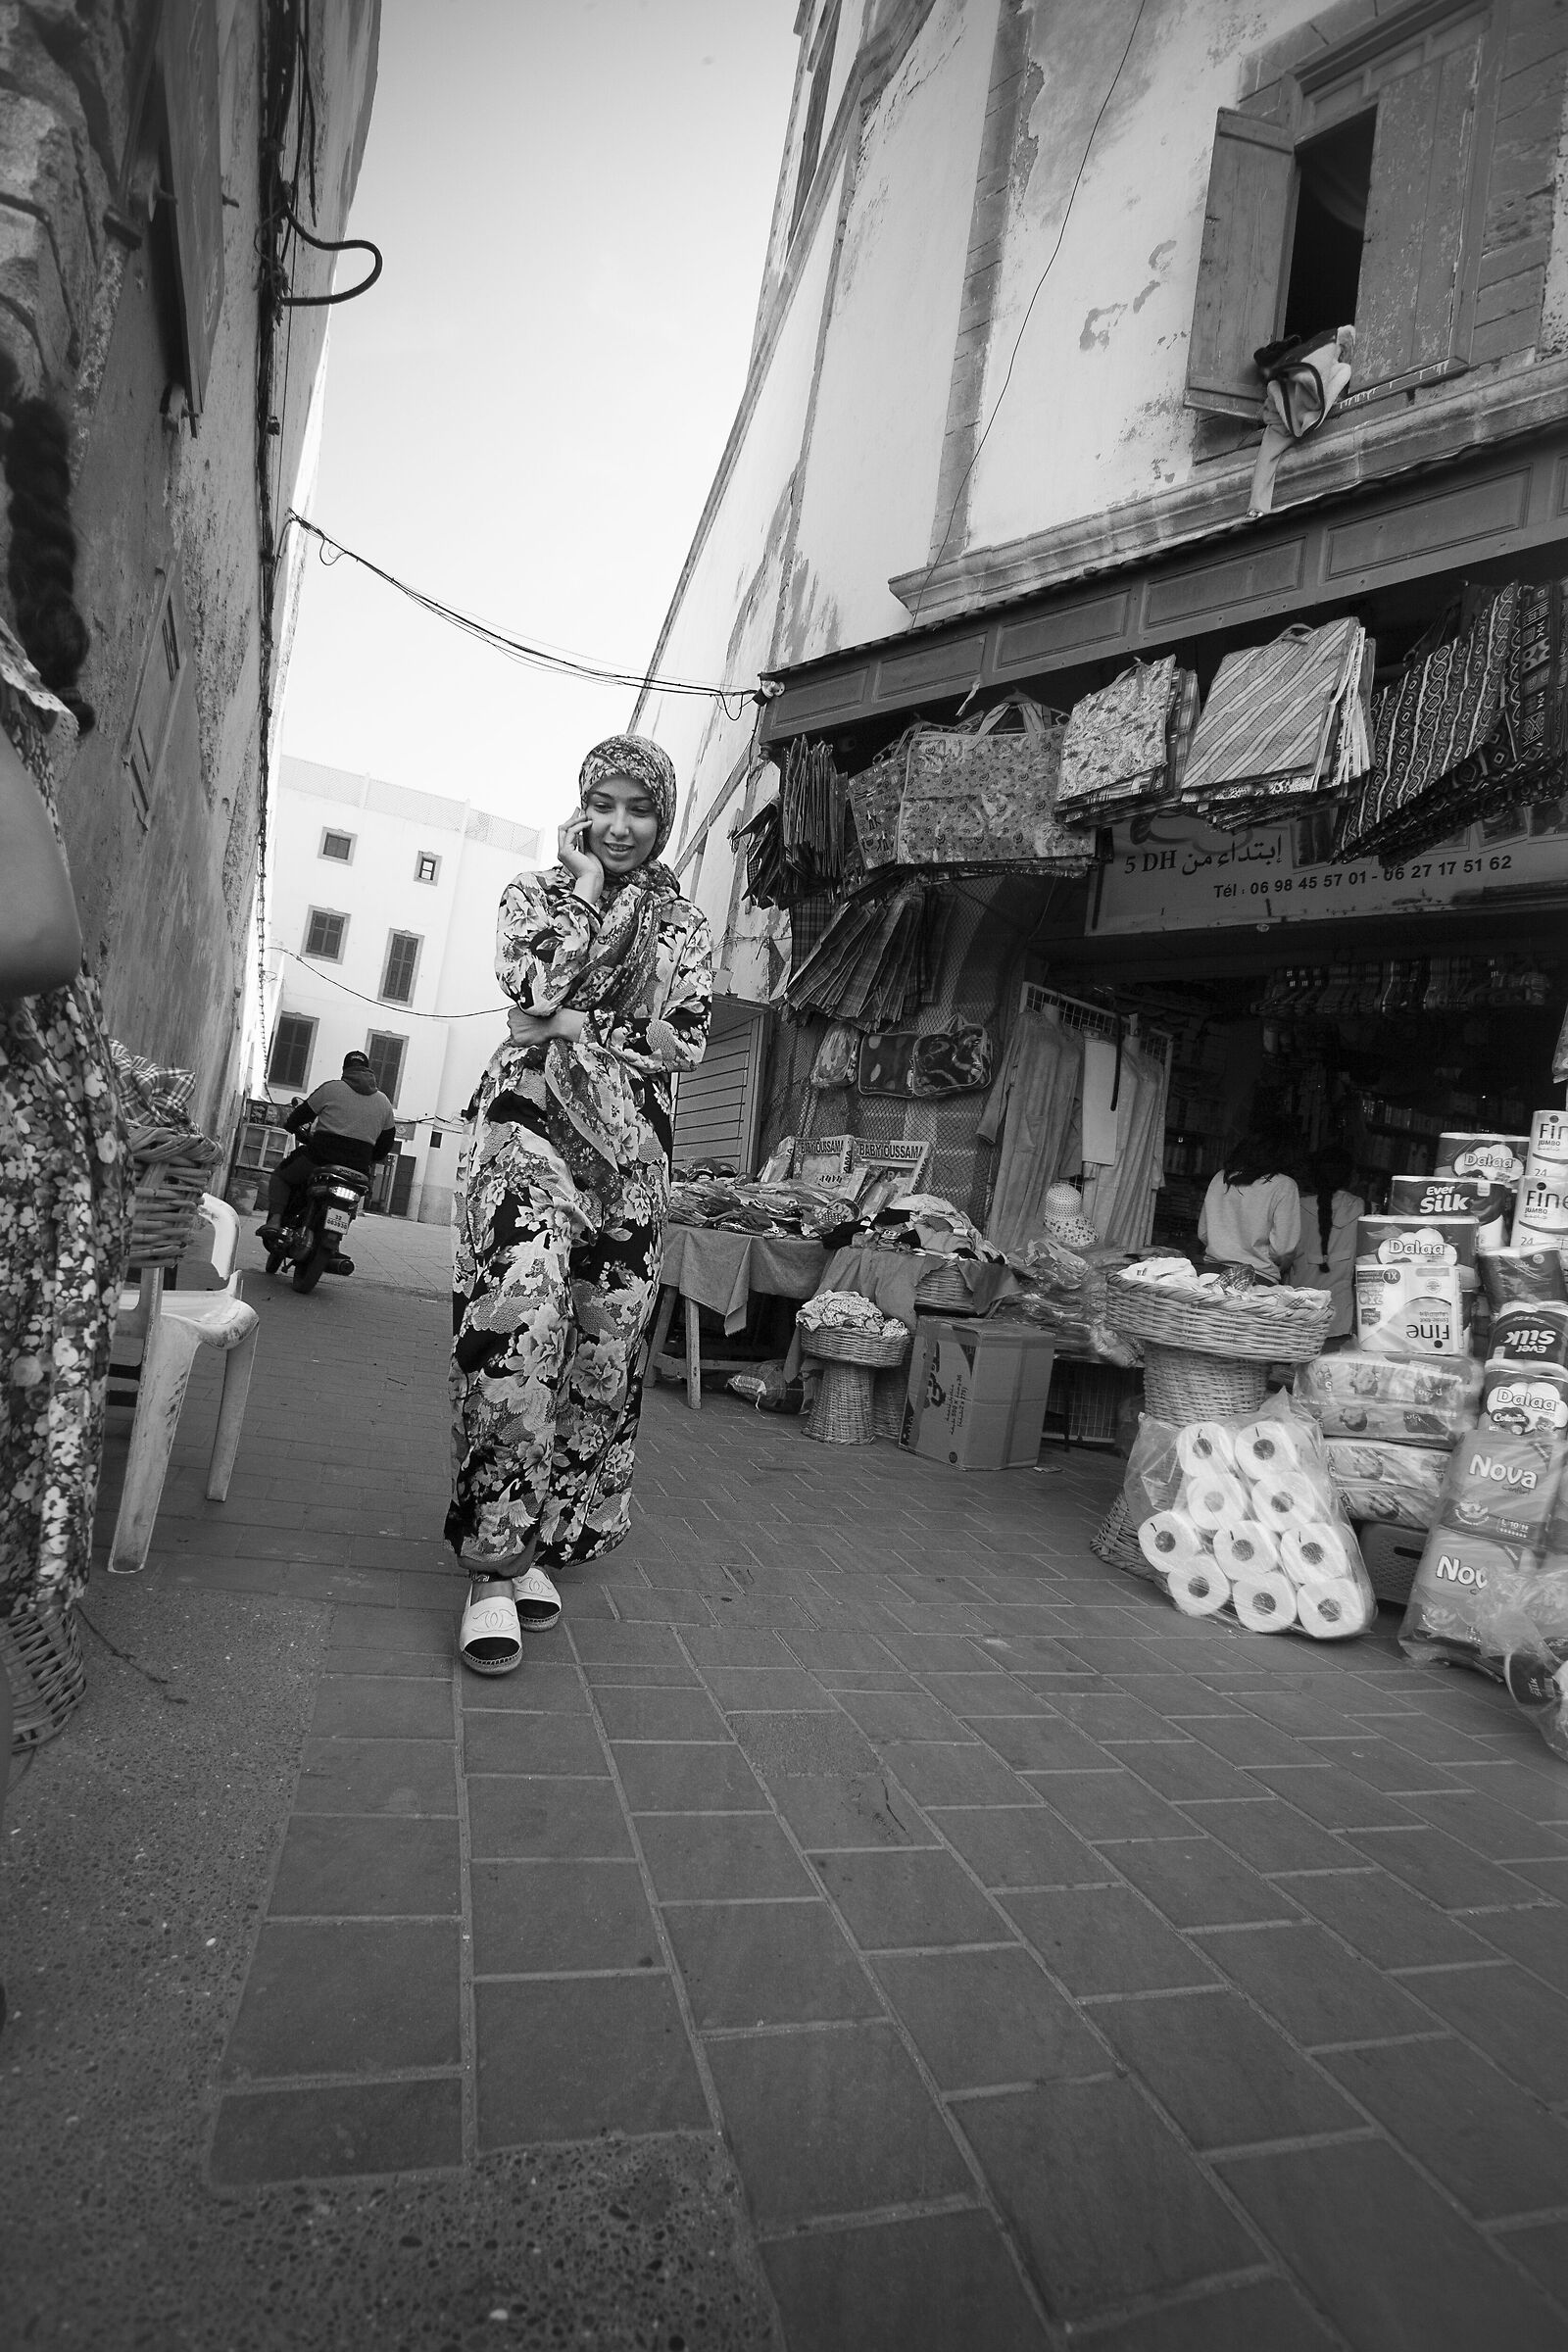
point(718, 1104)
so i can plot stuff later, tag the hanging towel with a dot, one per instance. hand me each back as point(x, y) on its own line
point(1101, 1069)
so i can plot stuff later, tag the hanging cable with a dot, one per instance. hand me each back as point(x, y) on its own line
point(1072, 197)
point(516, 649)
point(325, 302)
point(485, 1013)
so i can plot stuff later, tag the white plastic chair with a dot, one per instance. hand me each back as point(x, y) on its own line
point(170, 1325)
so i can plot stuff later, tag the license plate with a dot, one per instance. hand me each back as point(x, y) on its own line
point(338, 1220)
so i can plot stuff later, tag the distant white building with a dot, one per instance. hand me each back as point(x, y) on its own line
point(381, 936)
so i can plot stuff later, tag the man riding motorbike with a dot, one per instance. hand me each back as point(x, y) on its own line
point(347, 1122)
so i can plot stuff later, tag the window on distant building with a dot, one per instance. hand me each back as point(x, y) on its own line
point(386, 1061)
point(426, 866)
point(820, 65)
point(290, 1061)
point(435, 1139)
point(402, 962)
point(339, 846)
point(323, 935)
point(1343, 193)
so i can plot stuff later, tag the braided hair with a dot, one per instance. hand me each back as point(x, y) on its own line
point(41, 564)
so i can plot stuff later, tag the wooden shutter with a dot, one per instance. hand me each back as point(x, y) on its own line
point(716, 1106)
point(1422, 159)
point(188, 52)
point(1244, 220)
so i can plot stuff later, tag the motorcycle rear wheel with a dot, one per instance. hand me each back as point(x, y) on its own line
point(308, 1275)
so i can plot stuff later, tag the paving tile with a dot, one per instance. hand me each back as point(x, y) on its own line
point(845, 1815)
point(898, 1715)
point(1227, 2077)
point(317, 2131)
point(617, 1674)
point(1261, 2317)
point(981, 2019)
point(696, 1857)
point(1274, 1838)
point(831, 2121)
point(1318, 1993)
point(1021, 1845)
point(1196, 1883)
point(1177, 1696)
point(1106, 1806)
point(1537, 1938)
point(927, 1652)
point(1385, 2256)
point(356, 1658)
point(1386, 1921)
point(806, 1747)
point(1105, 1940)
point(377, 1775)
point(1113, 1654)
point(1257, 1745)
point(1186, 1772)
point(743, 1689)
point(1439, 1866)
point(1539, 1791)
point(577, 2058)
point(841, 1648)
point(1519, 2023)
point(642, 1714)
point(534, 1689)
point(897, 1901)
point(1488, 2141)
point(555, 1918)
point(1116, 1716)
point(1543, 2251)
point(520, 1820)
point(1384, 1764)
point(920, 2286)
point(1106, 2202)
point(767, 1964)
point(1545, 1878)
point(671, 1776)
point(621, 1645)
point(739, 1646)
point(374, 1707)
point(367, 1866)
point(974, 1696)
point(557, 1746)
point(937, 1774)
point(1489, 1828)
point(1337, 1800)
point(367, 1998)
point(669, 1606)
point(1045, 1744)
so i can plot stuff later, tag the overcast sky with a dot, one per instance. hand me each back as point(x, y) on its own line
point(524, 417)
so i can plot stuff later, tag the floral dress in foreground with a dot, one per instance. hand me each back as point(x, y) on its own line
point(64, 1229)
point(559, 1239)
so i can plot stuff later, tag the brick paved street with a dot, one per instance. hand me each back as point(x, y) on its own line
point(868, 1922)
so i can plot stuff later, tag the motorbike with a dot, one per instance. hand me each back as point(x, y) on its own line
point(320, 1213)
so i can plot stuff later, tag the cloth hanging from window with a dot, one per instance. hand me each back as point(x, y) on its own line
point(1300, 388)
point(1285, 724)
point(1035, 1110)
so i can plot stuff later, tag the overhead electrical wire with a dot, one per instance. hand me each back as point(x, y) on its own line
point(519, 648)
point(1072, 197)
point(485, 1013)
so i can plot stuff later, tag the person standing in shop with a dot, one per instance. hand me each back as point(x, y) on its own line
point(1325, 1259)
point(1250, 1220)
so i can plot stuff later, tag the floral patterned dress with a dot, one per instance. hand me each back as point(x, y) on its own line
point(560, 1218)
point(64, 1229)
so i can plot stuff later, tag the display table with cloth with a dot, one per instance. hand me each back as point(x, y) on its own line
point(891, 1278)
point(709, 1266)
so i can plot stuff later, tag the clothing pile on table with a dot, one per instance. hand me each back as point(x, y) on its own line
point(1286, 726)
point(1126, 747)
point(1473, 724)
point(847, 1310)
point(733, 1204)
point(1064, 1291)
point(876, 963)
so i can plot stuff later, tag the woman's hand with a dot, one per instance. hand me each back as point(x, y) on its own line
point(538, 1028)
point(40, 938)
point(578, 859)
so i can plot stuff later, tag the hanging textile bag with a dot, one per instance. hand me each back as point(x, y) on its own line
point(977, 795)
point(955, 1060)
point(874, 798)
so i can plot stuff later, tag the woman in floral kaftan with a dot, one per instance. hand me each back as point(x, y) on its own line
point(562, 1204)
point(63, 1209)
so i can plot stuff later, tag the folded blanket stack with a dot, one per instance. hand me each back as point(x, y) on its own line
point(876, 962)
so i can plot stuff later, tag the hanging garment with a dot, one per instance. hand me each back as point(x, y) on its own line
point(1102, 1071)
point(1121, 1202)
point(1285, 724)
point(1302, 383)
point(1035, 1111)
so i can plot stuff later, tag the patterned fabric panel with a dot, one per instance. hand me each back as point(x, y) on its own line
point(1116, 740)
point(1270, 708)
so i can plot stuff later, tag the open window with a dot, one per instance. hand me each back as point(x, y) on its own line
point(1341, 194)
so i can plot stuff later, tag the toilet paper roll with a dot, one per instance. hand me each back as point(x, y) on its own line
point(1169, 1540)
point(1205, 1446)
point(1315, 1555)
point(1200, 1588)
point(1266, 1448)
point(1243, 1546)
point(1332, 1610)
point(1265, 1602)
point(1212, 1499)
point(1288, 1499)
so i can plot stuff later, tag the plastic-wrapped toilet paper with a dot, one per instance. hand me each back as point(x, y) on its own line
point(1400, 1485)
point(1332, 1610)
point(1409, 1308)
point(1406, 1401)
point(1264, 1601)
point(1509, 1276)
point(1200, 1588)
point(1286, 1498)
point(1532, 1332)
point(1315, 1554)
point(1266, 1447)
point(1242, 1549)
point(1521, 1400)
point(1213, 1499)
point(1170, 1540)
point(1205, 1446)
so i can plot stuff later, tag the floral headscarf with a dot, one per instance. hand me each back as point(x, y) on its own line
point(648, 764)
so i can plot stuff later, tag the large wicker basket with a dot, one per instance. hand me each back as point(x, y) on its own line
point(1293, 1328)
point(1116, 1540)
point(1183, 1384)
point(164, 1205)
point(40, 1653)
point(877, 1350)
point(944, 1287)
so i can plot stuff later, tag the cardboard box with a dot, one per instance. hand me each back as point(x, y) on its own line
point(977, 1393)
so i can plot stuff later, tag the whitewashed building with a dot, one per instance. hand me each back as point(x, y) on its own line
point(381, 938)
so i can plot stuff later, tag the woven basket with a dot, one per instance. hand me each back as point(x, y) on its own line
point(40, 1651)
point(943, 1287)
point(889, 1395)
point(837, 1346)
point(1286, 1336)
point(1116, 1540)
point(163, 1206)
point(845, 1412)
point(1393, 1555)
point(1182, 1385)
